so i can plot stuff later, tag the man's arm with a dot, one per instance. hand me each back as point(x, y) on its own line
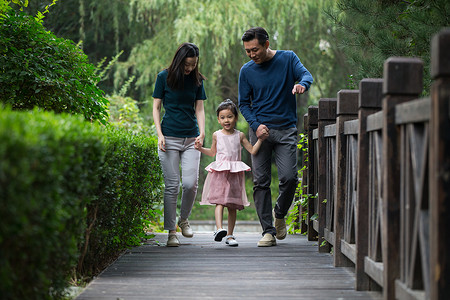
point(245, 103)
point(302, 75)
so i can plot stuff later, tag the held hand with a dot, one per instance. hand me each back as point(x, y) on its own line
point(298, 89)
point(262, 132)
point(162, 143)
point(198, 142)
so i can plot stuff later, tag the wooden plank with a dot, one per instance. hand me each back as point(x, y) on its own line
point(327, 116)
point(304, 181)
point(330, 130)
point(329, 236)
point(374, 121)
point(402, 83)
point(440, 167)
point(402, 292)
point(375, 270)
point(351, 173)
point(316, 225)
point(329, 191)
point(369, 102)
point(347, 104)
point(349, 250)
point(311, 165)
point(204, 269)
point(351, 127)
point(414, 229)
point(413, 112)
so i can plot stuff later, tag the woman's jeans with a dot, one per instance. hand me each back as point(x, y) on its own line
point(282, 145)
point(179, 151)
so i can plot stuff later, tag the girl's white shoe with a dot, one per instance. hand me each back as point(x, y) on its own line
point(231, 241)
point(219, 234)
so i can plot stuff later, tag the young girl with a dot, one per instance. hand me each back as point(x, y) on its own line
point(225, 185)
point(179, 88)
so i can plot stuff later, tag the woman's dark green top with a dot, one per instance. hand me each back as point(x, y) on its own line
point(179, 119)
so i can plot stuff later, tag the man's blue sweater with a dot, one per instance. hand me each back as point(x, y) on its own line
point(265, 90)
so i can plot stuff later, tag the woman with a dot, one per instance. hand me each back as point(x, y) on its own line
point(180, 90)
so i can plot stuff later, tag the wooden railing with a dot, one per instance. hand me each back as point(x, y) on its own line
point(378, 175)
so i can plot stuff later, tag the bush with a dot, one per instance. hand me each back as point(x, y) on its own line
point(124, 113)
point(48, 173)
point(71, 193)
point(39, 69)
point(130, 185)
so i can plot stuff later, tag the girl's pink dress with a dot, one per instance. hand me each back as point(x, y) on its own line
point(225, 182)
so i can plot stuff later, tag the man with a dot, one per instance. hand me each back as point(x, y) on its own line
point(267, 87)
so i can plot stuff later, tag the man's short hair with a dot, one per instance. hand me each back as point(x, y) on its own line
point(256, 33)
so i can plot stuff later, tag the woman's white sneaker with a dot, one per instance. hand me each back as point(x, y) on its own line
point(172, 240)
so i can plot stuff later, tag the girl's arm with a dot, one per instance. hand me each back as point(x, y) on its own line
point(200, 114)
point(157, 121)
point(248, 146)
point(209, 151)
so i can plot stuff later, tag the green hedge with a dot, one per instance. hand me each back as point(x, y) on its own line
point(130, 184)
point(55, 172)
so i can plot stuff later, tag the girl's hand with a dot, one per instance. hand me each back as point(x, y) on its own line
point(262, 132)
point(199, 142)
point(162, 143)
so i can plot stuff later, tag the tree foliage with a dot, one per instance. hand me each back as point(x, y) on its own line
point(149, 32)
point(216, 27)
point(369, 31)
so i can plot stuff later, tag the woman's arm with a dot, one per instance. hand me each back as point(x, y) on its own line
point(200, 114)
point(209, 151)
point(248, 146)
point(157, 120)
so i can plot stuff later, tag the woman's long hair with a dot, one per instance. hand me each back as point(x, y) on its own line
point(175, 76)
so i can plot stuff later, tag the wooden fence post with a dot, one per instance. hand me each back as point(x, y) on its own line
point(402, 82)
point(311, 189)
point(303, 226)
point(347, 109)
point(327, 115)
point(440, 167)
point(370, 96)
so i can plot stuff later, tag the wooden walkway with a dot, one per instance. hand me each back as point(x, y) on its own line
point(203, 269)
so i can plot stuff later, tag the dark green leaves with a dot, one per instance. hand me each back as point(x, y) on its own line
point(39, 69)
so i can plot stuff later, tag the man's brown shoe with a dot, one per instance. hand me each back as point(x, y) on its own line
point(267, 241)
point(280, 226)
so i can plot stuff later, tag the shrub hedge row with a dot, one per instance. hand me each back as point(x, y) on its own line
point(72, 195)
point(130, 186)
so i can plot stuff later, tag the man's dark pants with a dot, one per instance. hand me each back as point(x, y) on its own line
point(282, 145)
